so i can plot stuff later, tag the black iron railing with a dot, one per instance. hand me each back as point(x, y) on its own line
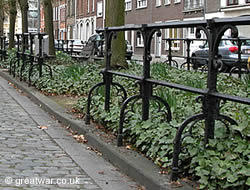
point(210, 98)
point(26, 56)
point(3, 47)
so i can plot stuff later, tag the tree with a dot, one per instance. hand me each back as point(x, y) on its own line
point(12, 13)
point(24, 11)
point(1, 16)
point(48, 17)
point(115, 17)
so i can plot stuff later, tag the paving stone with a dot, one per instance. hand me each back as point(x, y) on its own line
point(27, 152)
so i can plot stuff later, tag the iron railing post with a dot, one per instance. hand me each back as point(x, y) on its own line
point(72, 48)
point(146, 88)
point(239, 63)
point(40, 38)
point(211, 107)
point(169, 52)
point(107, 76)
point(188, 41)
point(1, 47)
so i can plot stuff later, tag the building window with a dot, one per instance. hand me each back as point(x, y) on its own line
point(167, 2)
point(33, 4)
point(141, 3)
point(87, 31)
point(157, 3)
point(32, 20)
point(92, 27)
point(93, 6)
point(177, 1)
point(232, 2)
point(68, 7)
point(55, 13)
point(193, 4)
point(172, 33)
point(88, 6)
point(247, 1)
point(128, 5)
point(192, 30)
point(73, 7)
point(99, 9)
point(140, 42)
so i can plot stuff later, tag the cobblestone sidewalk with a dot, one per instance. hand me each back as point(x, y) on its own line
point(29, 157)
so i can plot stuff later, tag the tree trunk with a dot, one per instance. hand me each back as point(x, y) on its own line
point(1, 16)
point(13, 13)
point(49, 29)
point(115, 17)
point(24, 11)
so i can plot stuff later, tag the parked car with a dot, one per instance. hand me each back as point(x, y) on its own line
point(58, 45)
point(77, 45)
point(99, 46)
point(228, 52)
point(95, 41)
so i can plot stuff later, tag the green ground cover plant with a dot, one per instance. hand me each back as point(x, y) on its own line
point(221, 164)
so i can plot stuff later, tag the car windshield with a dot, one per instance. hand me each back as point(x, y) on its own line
point(94, 38)
point(223, 42)
point(205, 45)
point(77, 42)
point(246, 43)
point(98, 37)
point(226, 42)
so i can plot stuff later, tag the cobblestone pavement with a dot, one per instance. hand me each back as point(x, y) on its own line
point(33, 157)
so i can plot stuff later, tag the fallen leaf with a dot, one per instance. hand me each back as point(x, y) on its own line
point(101, 172)
point(42, 127)
point(80, 116)
point(128, 147)
point(60, 155)
point(176, 184)
point(185, 179)
point(141, 187)
point(94, 150)
point(80, 138)
point(116, 169)
point(163, 172)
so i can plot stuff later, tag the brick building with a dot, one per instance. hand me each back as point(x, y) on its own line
point(233, 8)
point(78, 19)
point(71, 18)
point(155, 11)
point(85, 23)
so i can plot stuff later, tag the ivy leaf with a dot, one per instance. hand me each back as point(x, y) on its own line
point(220, 146)
point(248, 181)
point(232, 178)
point(219, 171)
point(204, 181)
point(245, 171)
point(240, 148)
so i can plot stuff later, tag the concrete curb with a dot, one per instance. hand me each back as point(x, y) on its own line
point(131, 163)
